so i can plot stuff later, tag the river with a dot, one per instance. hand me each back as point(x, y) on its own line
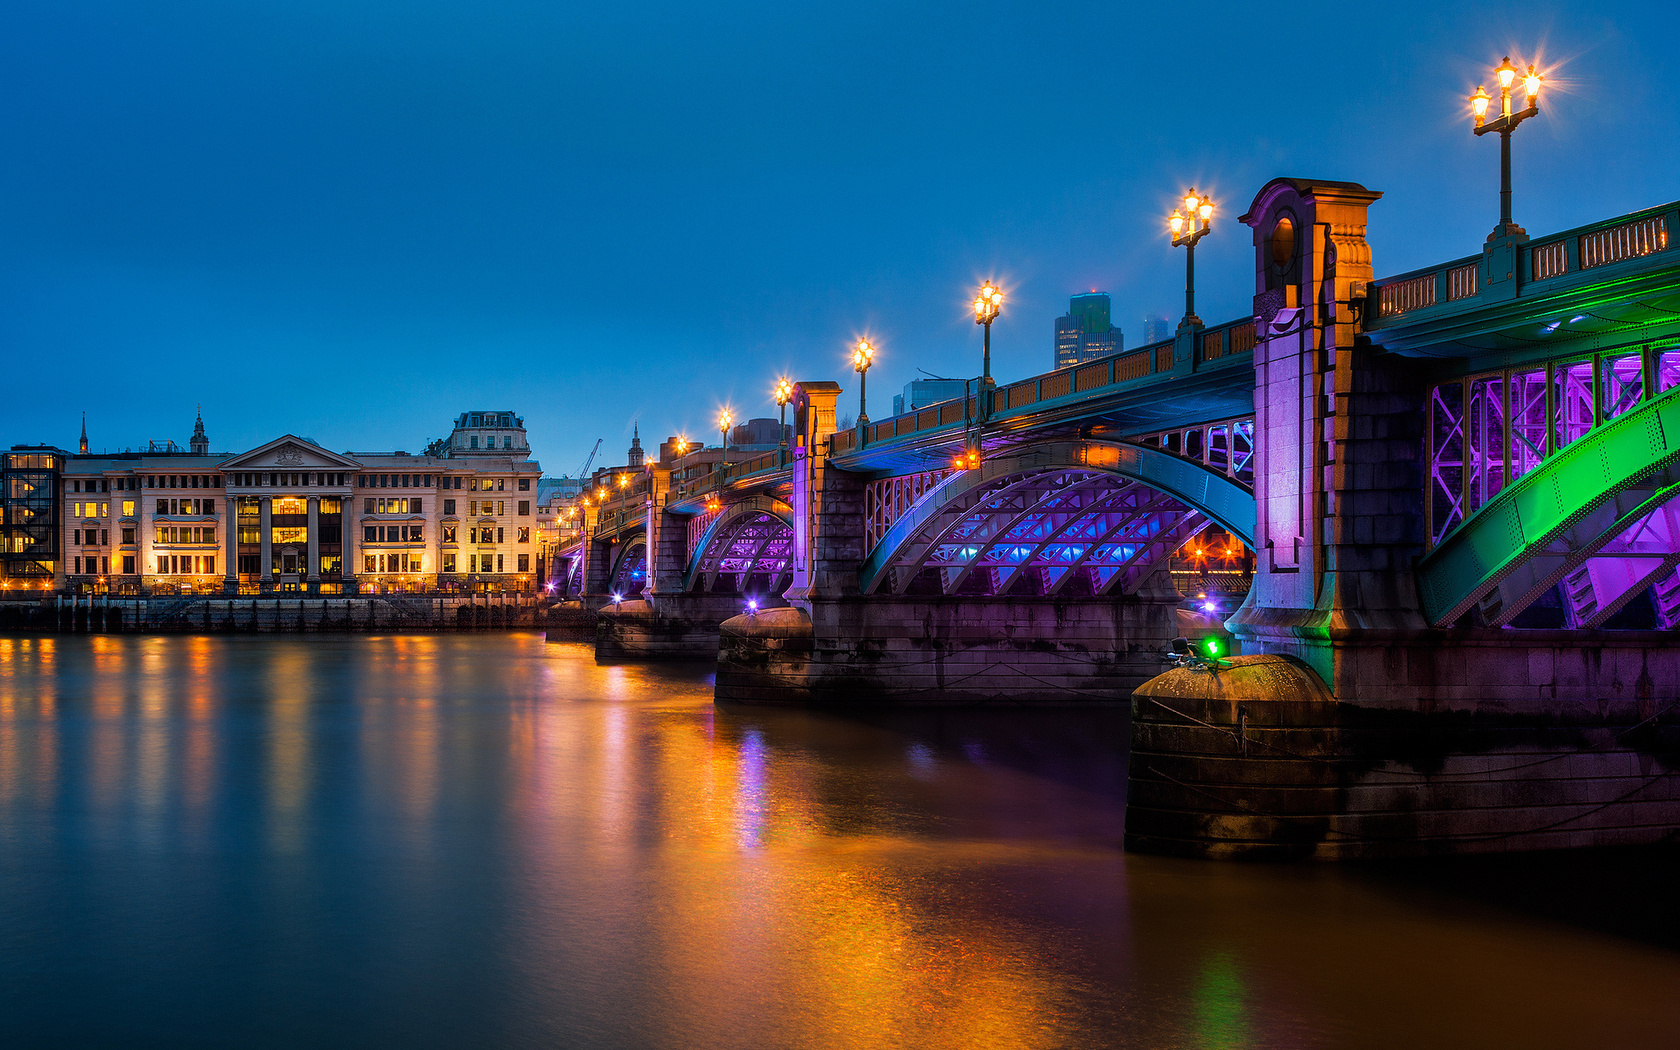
point(486, 841)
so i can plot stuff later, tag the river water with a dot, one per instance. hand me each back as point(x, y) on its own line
point(486, 840)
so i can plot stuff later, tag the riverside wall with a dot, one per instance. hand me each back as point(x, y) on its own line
point(102, 614)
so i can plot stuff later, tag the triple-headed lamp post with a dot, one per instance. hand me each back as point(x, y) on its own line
point(862, 356)
point(724, 420)
point(1506, 123)
point(1185, 233)
point(986, 306)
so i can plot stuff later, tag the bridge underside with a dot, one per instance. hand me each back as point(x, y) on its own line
point(1073, 533)
point(748, 553)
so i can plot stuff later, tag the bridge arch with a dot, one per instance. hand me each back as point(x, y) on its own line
point(1069, 517)
point(749, 545)
point(1599, 520)
point(630, 568)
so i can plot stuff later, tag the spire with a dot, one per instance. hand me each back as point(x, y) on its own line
point(83, 448)
point(636, 455)
point(200, 442)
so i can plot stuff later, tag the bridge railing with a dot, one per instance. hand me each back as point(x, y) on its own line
point(1063, 386)
point(1603, 249)
point(713, 480)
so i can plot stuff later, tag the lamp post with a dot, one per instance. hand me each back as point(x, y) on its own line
point(784, 394)
point(1506, 123)
point(724, 419)
point(986, 306)
point(862, 356)
point(1185, 233)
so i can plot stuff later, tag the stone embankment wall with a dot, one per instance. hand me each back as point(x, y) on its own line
point(109, 615)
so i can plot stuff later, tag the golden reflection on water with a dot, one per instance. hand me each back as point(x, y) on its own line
point(765, 918)
point(288, 691)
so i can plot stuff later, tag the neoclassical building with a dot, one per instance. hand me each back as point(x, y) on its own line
point(291, 517)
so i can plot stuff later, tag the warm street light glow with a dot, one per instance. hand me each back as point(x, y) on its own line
point(682, 446)
point(1531, 85)
point(623, 480)
point(784, 391)
point(724, 420)
point(986, 304)
point(1506, 73)
point(862, 355)
point(1176, 222)
point(1479, 104)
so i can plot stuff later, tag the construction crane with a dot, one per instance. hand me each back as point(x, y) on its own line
point(584, 473)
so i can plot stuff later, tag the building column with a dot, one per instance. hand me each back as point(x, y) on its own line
point(267, 577)
point(230, 544)
point(313, 570)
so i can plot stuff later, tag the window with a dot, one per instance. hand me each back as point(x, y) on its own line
point(76, 537)
point(524, 534)
point(498, 535)
point(472, 511)
point(128, 534)
point(369, 508)
point(128, 508)
point(368, 562)
point(499, 511)
point(498, 563)
point(457, 483)
point(104, 537)
point(370, 534)
point(449, 506)
point(163, 506)
point(524, 508)
point(128, 565)
point(449, 563)
point(472, 563)
point(524, 563)
point(474, 442)
point(499, 482)
point(449, 534)
point(413, 505)
point(524, 484)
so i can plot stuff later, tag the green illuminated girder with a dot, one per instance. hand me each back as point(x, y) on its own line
point(1546, 523)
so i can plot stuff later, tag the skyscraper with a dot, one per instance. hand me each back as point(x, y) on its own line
point(1156, 330)
point(1087, 332)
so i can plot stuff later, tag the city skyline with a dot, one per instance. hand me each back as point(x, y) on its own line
point(433, 207)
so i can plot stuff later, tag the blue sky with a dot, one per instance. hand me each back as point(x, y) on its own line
point(353, 220)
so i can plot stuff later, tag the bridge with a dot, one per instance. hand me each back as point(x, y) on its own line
point(1457, 486)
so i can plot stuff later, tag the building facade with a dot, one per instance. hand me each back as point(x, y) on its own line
point(291, 517)
point(1087, 332)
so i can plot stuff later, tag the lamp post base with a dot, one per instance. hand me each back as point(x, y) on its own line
point(1507, 229)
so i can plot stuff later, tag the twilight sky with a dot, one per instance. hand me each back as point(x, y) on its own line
point(353, 219)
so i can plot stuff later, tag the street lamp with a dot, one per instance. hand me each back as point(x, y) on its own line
point(1185, 233)
point(986, 306)
point(1506, 123)
point(862, 356)
point(784, 394)
point(724, 420)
